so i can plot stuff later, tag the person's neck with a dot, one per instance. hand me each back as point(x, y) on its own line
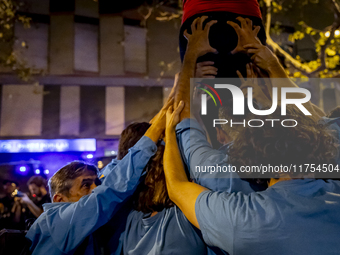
point(274, 181)
point(153, 214)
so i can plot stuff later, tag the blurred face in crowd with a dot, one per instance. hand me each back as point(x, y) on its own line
point(81, 186)
point(35, 190)
point(9, 187)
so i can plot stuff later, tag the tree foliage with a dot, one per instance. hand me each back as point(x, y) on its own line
point(9, 58)
point(325, 37)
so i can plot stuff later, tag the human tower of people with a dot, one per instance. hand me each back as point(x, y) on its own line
point(146, 204)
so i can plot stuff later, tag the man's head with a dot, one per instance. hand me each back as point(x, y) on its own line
point(37, 186)
point(73, 181)
point(9, 186)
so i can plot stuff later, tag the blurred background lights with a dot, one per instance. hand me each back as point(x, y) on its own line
point(89, 156)
point(37, 171)
point(328, 34)
point(22, 169)
point(337, 32)
point(46, 171)
point(100, 164)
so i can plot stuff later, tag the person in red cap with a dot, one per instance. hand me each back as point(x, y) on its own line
point(223, 36)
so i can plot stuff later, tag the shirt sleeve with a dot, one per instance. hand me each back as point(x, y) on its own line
point(230, 221)
point(71, 223)
point(198, 155)
point(107, 169)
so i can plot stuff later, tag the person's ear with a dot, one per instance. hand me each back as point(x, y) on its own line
point(58, 197)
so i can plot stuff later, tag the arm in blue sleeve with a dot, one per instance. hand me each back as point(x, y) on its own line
point(71, 223)
point(108, 168)
point(226, 220)
point(197, 154)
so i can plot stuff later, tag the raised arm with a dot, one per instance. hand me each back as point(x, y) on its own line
point(154, 133)
point(198, 45)
point(182, 192)
point(69, 225)
point(264, 58)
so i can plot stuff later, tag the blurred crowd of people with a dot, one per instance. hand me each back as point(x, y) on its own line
point(19, 210)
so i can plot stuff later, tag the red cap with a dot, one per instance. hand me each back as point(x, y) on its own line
point(243, 7)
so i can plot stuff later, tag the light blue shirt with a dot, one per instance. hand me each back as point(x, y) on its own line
point(291, 217)
point(167, 232)
point(63, 227)
point(196, 151)
point(333, 124)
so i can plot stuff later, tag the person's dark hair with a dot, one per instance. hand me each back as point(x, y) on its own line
point(4, 182)
point(130, 136)
point(62, 180)
point(226, 112)
point(37, 180)
point(308, 142)
point(151, 195)
point(335, 113)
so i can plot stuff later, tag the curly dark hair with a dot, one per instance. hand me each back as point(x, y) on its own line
point(130, 136)
point(151, 195)
point(308, 142)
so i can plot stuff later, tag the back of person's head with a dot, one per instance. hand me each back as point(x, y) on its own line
point(224, 39)
point(335, 113)
point(39, 181)
point(226, 113)
point(130, 136)
point(307, 142)
point(151, 195)
point(9, 186)
point(62, 181)
point(10, 182)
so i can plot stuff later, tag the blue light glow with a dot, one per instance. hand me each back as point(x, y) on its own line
point(89, 156)
point(22, 169)
point(47, 145)
point(46, 171)
point(37, 171)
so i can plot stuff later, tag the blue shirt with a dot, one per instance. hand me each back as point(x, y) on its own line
point(333, 124)
point(290, 217)
point(167, 232)
point(196, 151)
point(162, 235)
point(63, 227)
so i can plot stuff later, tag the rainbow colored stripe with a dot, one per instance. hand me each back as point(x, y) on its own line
point(210, 94)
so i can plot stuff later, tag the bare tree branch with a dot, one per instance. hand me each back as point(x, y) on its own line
point(276, 47)
point(305, 70)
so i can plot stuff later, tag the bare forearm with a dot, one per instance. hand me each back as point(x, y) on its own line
point(173, 165)
point(154, 133)
point(183, 90)
point(34, 209)
point(17, 214)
